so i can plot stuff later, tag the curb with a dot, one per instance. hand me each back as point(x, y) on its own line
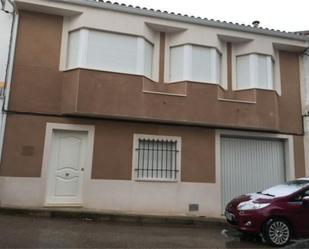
point(113, 217)
point(299, 244)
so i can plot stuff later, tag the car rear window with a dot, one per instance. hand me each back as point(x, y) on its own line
point(286, 188)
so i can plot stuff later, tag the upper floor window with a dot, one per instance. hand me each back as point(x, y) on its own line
point(195, 63)
point(255, 71)
point(110, 52)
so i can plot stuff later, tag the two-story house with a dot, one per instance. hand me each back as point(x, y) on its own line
point(114, 107)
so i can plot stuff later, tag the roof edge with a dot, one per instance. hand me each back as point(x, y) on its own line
point(185, 19)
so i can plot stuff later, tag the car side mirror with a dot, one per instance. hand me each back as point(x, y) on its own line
point(306, 201)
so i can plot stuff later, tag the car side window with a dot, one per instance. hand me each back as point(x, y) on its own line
point(306, 193)
point(300, 196)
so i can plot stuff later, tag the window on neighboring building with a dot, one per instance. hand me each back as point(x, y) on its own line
point(110, 52)
point(255, 71)
point(195, 63)
point(156, 158)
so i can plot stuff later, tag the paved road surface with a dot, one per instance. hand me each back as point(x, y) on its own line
point(32, 232)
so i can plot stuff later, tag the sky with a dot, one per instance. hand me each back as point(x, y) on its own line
point(285, 15)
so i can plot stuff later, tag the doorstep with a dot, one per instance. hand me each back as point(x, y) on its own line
point(81, 213)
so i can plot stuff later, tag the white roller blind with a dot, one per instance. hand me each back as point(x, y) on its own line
point(255, 71)
point(243, 72)
point(177, 64)
point(202, 64)
point(110, 52)
point(148, 59)
point(218, 67)
point(195, 63)
point(74, 49)
point(262, 70)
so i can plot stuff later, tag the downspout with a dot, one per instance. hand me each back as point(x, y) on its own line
point(9, 70)
point(305, 68)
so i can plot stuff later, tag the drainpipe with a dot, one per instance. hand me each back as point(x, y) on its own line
point(306, 107)
point(9, 66)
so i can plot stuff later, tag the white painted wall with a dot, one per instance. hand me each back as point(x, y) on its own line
point(5, 27)
point(306, 143)
point(304, 72)
point(121, 196)
point(6, 20)
point(305, 80)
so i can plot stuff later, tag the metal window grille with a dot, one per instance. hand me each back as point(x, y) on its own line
point(157, 159)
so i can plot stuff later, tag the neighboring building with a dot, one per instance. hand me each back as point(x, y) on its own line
point(6, 25)
point(6, 21)
point(305, 100)
point(131, 110)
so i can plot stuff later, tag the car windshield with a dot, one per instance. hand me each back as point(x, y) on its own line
point(285, 189)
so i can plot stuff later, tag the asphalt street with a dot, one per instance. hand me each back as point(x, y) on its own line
point(42, 232)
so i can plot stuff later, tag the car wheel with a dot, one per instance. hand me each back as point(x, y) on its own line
point(277, 232)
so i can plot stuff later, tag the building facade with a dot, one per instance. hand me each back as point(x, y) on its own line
point(124, 109)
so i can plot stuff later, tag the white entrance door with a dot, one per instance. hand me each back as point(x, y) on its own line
point(249, 165)
point(66, 168)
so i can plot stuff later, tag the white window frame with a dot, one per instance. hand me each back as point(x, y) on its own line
point(253, 78)
point(136, 138)
point(187, 60)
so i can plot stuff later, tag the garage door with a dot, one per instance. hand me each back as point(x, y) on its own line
point(250, 165)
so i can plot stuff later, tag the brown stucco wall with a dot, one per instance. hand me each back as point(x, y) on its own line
point(36, 82)
point(290, 110)
point(299, 156)
point(112, 158)
point(113, 94)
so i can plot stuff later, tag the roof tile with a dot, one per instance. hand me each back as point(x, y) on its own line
point(193, 17)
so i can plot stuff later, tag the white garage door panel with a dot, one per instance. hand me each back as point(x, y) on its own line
point(250, 165)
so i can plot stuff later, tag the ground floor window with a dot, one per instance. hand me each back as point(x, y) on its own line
point(156, 157)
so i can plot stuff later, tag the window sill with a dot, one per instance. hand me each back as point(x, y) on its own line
point(252, 88)
point(194, 82)
point(256, 88)
point(237, 101)
point(67, 69)
point(156, 180)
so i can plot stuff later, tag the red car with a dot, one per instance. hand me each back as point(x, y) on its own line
point(277, 213)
